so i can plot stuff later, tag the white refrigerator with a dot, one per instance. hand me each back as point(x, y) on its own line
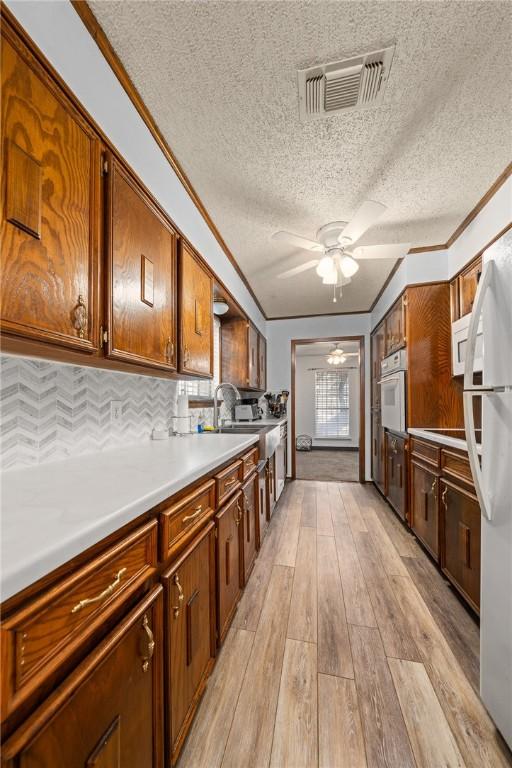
point(493, 478)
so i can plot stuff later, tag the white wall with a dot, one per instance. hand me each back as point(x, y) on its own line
point(58, 31)
point(305, 368)
point(443, 265)
point(279, 337)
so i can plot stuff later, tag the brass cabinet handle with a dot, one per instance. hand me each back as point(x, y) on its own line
point(176, 608)
point(150, 646)
point(433, 489)
point(196, 512)
point(103, 595)
point(169, 350)
point(240, 513)
point(231, 482)
point(443, 497)
point(186, 354)
point(80, 317)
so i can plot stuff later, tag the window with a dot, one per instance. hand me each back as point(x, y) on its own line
point(203, 388)
point(332, 407)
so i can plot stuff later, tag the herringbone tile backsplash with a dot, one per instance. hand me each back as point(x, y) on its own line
point(51, 411)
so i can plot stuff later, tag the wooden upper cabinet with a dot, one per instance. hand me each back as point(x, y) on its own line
point(196, 315)
point(468, 283)
point(395, 326)
point(141, 272)
point(262, 362)
point(252, 337)
point(108, 712)
point(50, 224)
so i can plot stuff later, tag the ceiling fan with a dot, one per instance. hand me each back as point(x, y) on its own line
point(335, 244)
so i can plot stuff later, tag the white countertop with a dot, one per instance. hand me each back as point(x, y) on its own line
point(53, 512)
point(437, 437)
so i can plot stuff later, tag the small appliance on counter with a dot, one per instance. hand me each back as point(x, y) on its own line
point(247, 412)
point(277, 403)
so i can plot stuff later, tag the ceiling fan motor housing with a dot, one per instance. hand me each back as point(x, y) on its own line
point(328, 234)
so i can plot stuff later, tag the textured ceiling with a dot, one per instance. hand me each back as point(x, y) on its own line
point(323, 347)
point(220, 80)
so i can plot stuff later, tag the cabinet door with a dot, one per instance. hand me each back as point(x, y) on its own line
point(252, 338)
point(234, 351)
point(228, 563)
point(50, 224)
point(378, 453)
point(395, 326)
point(190, 642)
point(424, 507)
point(262, 362)
point(396, 469)
point(248, 529)
point(468, 283)
point(460, 540)
point(141, 276)
point(196, 315)
point(108, 712)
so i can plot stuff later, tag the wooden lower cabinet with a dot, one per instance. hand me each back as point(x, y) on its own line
point(378, 453)
point(228, 558)
point(108, 713)
point(248, 529)
point(424, 516)
point(190, 637)
point(460, 540)
point(397, 473)
point(271, 485)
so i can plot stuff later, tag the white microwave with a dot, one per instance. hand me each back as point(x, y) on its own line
point(459, 346)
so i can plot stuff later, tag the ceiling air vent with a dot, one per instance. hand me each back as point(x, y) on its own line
point(354, 83)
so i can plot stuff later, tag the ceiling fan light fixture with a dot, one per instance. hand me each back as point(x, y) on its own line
point(325, 266)
point(220, 306)
point(348, 266)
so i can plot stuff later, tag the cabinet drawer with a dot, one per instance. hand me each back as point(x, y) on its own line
point(426, 451)
point(39, 638)
point(180, 522)
point(456, 465)
point(227, 481)
point(249, 463)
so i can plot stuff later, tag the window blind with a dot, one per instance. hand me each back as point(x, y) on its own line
point(332, 404)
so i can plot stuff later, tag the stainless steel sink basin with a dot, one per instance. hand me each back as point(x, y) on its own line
point(269, 436)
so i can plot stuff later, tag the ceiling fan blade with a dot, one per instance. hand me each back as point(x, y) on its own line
point(297, 270)
point(365, 216)
point(392, 251)
point(298, 241)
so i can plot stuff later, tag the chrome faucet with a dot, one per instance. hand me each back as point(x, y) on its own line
point(216, 402)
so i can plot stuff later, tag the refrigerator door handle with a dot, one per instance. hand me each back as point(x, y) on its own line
point(471, 391)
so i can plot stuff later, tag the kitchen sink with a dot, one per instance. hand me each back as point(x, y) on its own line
point(269, 435)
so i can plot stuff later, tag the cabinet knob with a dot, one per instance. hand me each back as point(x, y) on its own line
point(80, 317)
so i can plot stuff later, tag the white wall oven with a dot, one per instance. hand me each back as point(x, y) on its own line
point(392, 390)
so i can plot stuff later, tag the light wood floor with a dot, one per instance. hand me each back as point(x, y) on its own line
point(348, 650)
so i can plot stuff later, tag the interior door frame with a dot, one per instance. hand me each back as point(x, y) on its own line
point(362, 400)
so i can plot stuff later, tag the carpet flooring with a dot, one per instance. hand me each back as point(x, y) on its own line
point(338, 466)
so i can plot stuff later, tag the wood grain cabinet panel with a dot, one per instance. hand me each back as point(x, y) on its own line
point(468, 283)
point(181, 520)
point(460, 540)
point(39, 640)
point(228, 558)
point(262, 362)
point(378, 452)
point(248, 528)
point(252, 356)
point(397, 473)
point(141, 276)
point(235, 352)
point(50, 223)
point(249, 462)
point(424, 515)
point(196, 315)
point(395, 326)
point(190, 642)
point(108, 712)
point(228, 481)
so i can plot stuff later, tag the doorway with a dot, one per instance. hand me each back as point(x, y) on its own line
point(328, 409)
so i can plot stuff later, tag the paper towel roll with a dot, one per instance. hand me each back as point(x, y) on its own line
point(182, 405)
